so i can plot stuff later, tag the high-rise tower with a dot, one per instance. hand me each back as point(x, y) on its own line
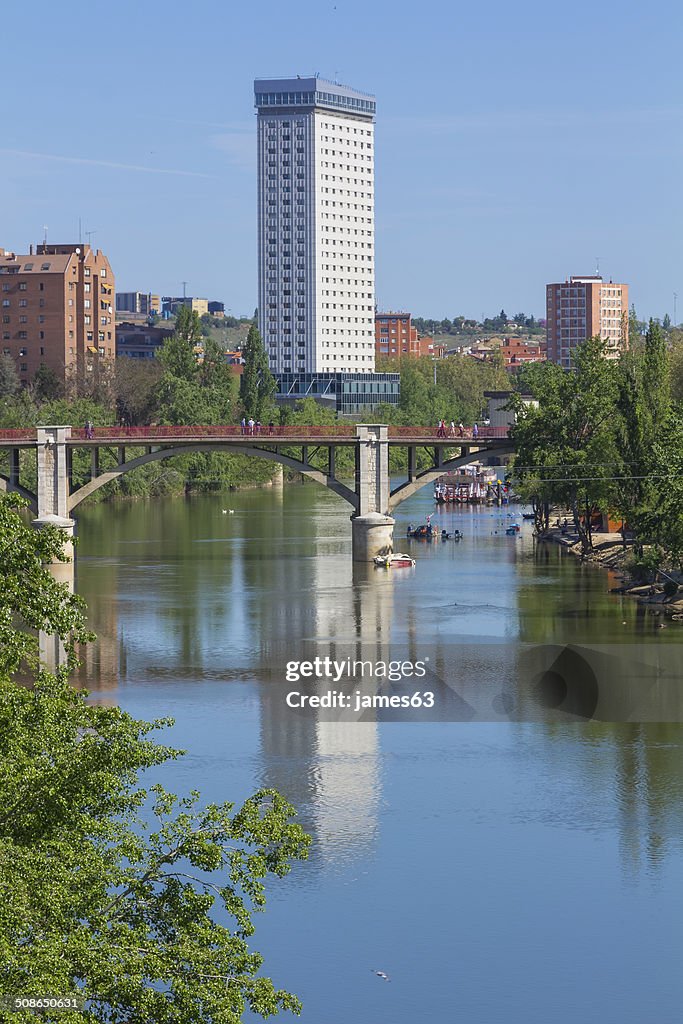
point(585, 307)
point(316, 226)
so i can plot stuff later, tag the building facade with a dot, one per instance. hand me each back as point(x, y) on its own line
point(585, 307)
point(57, 310)
point(171, 305)
point(518, 351)
point(395, 335)
point(140, 341)
point(316, 226)
point(139, 303)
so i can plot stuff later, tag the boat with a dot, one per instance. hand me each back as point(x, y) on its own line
point(424, 532)
point(397, 560)
point(512, 531)
point(529, 516)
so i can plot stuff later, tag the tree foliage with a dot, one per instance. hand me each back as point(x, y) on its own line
point(141, 901)
point(257, 384)
point(9, 378)
point(565, 446)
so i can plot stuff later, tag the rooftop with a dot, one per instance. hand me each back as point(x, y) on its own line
point(313, 91)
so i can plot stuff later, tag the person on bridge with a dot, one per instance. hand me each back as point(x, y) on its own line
point(251, 425)
point(452, 430)
point(461, 430)
point(243, 425)
point(475, 430)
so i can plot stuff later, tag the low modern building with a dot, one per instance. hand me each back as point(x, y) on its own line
point(217, 308)
point(57, 310)
point(140, 303)
point(349, 393)
point(140, 341)
point(585, 307)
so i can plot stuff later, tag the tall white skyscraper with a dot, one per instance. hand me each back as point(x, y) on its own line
point(316, 225)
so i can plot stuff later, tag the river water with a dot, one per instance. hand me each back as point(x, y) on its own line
point(500, 863)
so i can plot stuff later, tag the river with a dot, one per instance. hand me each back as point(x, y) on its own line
point(506, 862)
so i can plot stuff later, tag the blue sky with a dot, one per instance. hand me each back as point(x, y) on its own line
point(516, 143)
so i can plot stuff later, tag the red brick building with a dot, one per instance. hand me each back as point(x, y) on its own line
point(585, 307)
point(395, 336)
point(517, 351)
point(57, 310)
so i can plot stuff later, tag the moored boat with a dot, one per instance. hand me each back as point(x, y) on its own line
point(397, 560)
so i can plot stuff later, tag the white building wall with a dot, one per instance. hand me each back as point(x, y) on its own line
point(344, 218)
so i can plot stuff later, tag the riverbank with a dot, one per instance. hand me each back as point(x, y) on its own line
point(609, 553)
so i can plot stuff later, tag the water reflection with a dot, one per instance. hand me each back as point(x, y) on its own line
point(194, 608)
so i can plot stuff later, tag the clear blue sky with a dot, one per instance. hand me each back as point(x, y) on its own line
point(516, 142)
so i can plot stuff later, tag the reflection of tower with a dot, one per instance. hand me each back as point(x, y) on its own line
point(329, 769)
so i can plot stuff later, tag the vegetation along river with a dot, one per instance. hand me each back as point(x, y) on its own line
point(505, 861)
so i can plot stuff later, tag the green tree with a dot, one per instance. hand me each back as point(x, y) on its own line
point(566, 446)
point(136, 388)
point(46, 384)
point(142, 901)
point(643, 406)
point(177, 356)
point(9, 378)
point(257, 384)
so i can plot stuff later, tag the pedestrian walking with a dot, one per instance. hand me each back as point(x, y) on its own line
point(251, 426)
point(452, 430)
point(243, 424)
point(475, 430)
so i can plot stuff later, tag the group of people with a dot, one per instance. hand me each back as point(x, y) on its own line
point(441, 430)
point(89, 430)
point(253, 427)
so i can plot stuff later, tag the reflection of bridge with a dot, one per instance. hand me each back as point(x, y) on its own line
point(57, 492)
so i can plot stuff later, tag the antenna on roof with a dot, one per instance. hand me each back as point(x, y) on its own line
point(89, 235)
point(44, 234)
point(597, 264)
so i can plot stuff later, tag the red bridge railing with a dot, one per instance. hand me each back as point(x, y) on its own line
point(141, 435)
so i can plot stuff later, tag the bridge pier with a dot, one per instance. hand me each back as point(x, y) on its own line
point(372, 527)
point(53, 493)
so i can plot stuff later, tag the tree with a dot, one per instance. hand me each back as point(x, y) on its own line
point(46, 384)
point(9, 378)
point(257, 384)
point(643, 405)
point(139, 900)
point(137, 384)
point(188, 325)
point(177, 357)
point(666, 322)
point(566, 447)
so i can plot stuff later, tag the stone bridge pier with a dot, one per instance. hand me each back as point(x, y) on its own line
point(53, 494)
point(372, 526)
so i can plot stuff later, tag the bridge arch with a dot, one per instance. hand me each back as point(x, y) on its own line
point(165, 453)
point(6, 486)
point(428, 476)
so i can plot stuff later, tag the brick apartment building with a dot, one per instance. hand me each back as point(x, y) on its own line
point(517, 351)
point(57, 309)
point(395, 336)
point(585, 307)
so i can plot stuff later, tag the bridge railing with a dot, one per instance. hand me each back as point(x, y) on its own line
point(332, 430)
point(433, 433)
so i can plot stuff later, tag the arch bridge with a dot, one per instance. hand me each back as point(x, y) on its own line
point(56, 491)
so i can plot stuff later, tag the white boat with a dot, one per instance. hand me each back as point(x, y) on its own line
point(394, 561)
